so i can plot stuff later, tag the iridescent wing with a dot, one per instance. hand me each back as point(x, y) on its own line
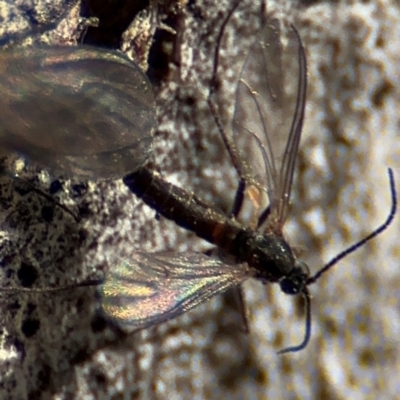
point(153, 288)
point(80, 111)
point(269, 113)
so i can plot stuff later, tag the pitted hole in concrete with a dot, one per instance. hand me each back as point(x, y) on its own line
point(381, 93)
point(30, 327)
point(44, 377)
point(27, 275)
point(79, 190)
point(55, 187)
point(48, 213)
point(98, 324)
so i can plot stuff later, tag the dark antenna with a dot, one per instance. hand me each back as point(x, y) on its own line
point(372, 235)
point(305, 292)
point(307, 331)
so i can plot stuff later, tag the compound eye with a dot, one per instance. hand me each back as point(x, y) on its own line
point(296, 281)
point(288, 286)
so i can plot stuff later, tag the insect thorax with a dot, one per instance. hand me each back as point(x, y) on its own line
point(269, 255)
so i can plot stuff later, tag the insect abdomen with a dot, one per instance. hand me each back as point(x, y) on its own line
point(184, 208)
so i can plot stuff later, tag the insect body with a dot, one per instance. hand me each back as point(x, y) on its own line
point(79, 111)
point(147, 288)
point(260, 253)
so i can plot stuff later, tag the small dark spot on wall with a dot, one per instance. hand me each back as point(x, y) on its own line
point(366, 357)
point(83, 235)
point(323, 70)
point(79, 190)
point(55, 187)
point(99, 377)
point(30, 327)
point(381, 93)
point(84, 210)
point(7, 260)
point(35, 394)
point(190, 101)
point(278, 340)
point(98, 324)
point(44, 377)
point(329, 326)
point(261, 377)
point(14, 306)
point(38, 254)
point(380, 41)
point(48, 213)
point(80, 356)
point(22, 190)
point(27, 274)
point(79, 304)
point(286, 366)
point(30, 307)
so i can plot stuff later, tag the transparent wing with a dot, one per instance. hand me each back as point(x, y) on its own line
point(269, 112)
point(78, 110)
point(153, 288)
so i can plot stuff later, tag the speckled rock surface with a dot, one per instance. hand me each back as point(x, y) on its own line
point(58, 346)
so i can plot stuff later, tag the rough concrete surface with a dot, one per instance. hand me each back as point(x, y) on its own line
point(58, 345)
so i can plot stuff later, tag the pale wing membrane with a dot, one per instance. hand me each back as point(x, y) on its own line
point(267, 101)
point(297, 57)
point(152, 288)
point(76, 109)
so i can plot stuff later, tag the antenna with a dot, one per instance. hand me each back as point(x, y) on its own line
point(305, 292)
point(373, 234)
